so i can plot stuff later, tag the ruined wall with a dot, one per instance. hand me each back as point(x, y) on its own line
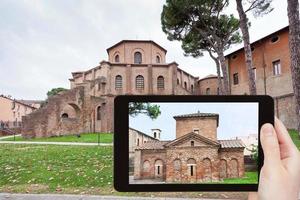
point(69, 112)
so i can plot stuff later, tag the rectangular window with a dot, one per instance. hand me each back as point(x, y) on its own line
point(276, 67)
point(192, 170)
point(254, 72)
point(235, 78)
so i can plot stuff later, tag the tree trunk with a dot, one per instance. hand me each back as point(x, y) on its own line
point(220, 84)
point(247, 47)
point(294, 46)
point(222, 61)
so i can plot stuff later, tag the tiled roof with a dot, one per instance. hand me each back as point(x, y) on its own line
point(153, 145)
point(198, 114)
point(231, 143)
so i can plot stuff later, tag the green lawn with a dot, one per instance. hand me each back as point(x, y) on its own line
point(86, 137)
point(69, 169)
point(295, 137)
point(250, 177)
point(51, 168)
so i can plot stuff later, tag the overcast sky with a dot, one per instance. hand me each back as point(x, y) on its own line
point(42, 42)
point(244, 116)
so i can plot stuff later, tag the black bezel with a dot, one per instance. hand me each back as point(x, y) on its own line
point(121, 158)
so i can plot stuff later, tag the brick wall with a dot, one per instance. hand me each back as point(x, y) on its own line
point(207, 126)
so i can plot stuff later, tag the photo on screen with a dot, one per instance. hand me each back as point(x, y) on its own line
point(193, 143)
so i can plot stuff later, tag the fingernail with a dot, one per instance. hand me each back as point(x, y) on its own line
point(267, 130)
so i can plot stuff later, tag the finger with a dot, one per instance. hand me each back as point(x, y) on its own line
point(252, 196)
point(269, 143)
point(282, 134)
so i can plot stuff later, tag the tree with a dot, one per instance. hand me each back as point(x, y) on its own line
point(148, 109)
point(258, 7)
point(254, 153)
point(194, 47)
point(55, 91)
point(294, 46)
point(201, 26)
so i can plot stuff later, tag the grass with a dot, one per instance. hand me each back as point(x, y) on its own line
point(54, 168)
point(86, 137)
point(295, 137)
point(28, 168)
point(250, 177)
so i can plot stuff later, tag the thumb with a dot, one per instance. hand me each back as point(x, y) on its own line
point(269, 143)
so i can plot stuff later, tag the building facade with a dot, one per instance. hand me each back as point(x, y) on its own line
point(208, 85)
point(134, 67)
point(196, 155)
point(12, 111)
point(271, 60)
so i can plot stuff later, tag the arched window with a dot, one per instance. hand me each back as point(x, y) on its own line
point(157, 59)
point(118, 82)
point(154, 134)
point(139, 82)
point(178, 81)
point(192, 88)
point(160, 82)
point(207, 90)
point(138, 142)
point(99, 113)
point(137, 57)
point(192, 143)
point(117, 58)
point(65, 115)
point(185, 85)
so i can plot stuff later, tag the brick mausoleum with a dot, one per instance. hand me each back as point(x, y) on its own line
point(196, 155)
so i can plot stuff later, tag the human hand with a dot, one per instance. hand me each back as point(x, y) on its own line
point(280, 174)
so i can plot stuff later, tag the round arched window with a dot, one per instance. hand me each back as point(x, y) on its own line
point(117, 58)
point(157, 59)
point(137, 57)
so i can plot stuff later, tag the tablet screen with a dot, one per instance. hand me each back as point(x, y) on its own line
point(193, 142)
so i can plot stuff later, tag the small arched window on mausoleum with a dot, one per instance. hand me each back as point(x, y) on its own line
point(185, 85)
point(99, 113)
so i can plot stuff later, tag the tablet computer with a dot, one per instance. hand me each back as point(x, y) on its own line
point(189, 143)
